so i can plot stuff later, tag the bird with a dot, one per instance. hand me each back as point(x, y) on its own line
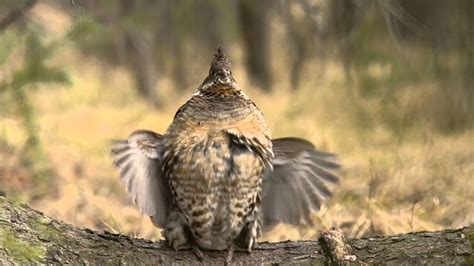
point(216, 179)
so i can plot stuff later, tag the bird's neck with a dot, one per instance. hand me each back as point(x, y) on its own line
point(221, 91)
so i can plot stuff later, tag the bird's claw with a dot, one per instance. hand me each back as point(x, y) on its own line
point(197, 252)
point(230, 254)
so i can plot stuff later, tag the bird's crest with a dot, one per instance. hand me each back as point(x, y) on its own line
point(220, 64)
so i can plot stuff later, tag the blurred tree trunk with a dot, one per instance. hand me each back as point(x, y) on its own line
point(342, 20)
point(303, 36)
point(140, 57)
point(141, 61)
point(30, 237)
point(467, 41)
point(179, 75)
point(254, 26)
point(212, 24)
point(466, 56)
point(16, 14)
point(342, 16)
point(126, 43)
point(169, 30)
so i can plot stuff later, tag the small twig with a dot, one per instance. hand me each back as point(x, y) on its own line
point(412, 210)
point(335, 246)
point(302, 257)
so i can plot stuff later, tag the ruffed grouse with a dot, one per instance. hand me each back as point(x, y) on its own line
point(215, 178)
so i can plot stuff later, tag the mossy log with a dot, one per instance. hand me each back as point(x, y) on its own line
point(28, 236)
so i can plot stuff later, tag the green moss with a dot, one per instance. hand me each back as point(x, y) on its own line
point(45, 228)
point(470, 237)
point(20, 250)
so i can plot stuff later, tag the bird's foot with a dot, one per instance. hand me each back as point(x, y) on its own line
point(197, 251)
point(230, 253)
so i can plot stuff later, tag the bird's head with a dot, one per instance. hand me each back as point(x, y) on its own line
point(220, 72)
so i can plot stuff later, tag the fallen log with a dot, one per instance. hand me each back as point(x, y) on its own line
point(28, 236)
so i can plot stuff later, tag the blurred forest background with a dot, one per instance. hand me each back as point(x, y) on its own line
point(388, 85)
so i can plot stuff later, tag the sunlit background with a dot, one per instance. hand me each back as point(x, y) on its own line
point(388, 85)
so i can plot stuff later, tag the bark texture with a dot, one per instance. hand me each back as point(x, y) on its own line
point(28, 236)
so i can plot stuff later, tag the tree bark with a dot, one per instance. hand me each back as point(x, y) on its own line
point(28, 236)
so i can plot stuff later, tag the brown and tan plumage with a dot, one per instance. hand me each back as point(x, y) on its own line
point(216, 176)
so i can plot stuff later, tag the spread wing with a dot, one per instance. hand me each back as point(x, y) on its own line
point(138, 159)
point(298, 183)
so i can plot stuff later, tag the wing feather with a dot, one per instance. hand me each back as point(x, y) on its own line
point(140, 171)
point(298, 184)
